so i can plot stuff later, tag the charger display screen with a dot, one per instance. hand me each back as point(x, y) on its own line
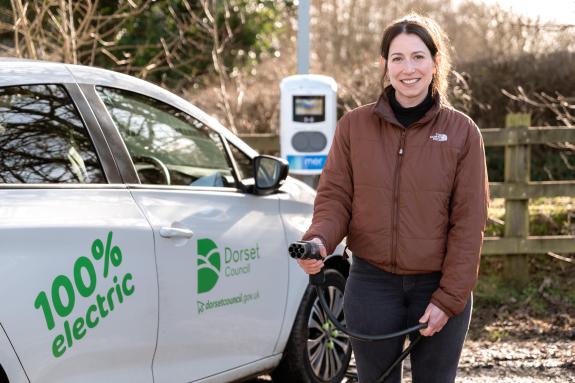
point(309, 109)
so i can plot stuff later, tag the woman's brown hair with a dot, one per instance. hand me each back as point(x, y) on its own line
point(433, 37)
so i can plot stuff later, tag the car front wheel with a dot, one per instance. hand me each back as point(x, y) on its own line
point(317, 352)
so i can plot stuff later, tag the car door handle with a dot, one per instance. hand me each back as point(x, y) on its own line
point(175, 232)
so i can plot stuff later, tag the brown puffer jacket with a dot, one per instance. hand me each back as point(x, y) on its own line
point(410, 201)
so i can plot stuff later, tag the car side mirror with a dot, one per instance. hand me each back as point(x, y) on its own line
point(269, 173)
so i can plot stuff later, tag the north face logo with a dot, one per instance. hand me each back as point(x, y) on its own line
point(208, 265)
point(439, 137)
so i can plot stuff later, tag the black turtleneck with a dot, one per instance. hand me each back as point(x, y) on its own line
point(407, 116)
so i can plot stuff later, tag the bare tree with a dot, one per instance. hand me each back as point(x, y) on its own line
point(69, 31)
point(212, 27)
point(563, 108)
point(93, 32)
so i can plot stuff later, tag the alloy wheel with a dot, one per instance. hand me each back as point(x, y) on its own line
point(327, 346)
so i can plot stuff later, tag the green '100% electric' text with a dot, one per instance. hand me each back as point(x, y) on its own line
point(63, 293)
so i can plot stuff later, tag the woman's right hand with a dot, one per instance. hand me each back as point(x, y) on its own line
point(313, 266)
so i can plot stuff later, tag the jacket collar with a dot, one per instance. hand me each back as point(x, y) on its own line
point(382, 108)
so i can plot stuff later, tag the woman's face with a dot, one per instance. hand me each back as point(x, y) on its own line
point(410, 68)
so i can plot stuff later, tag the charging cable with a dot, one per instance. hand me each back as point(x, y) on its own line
point(310, 250)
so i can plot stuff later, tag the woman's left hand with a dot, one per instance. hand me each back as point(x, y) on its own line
point(435, 319)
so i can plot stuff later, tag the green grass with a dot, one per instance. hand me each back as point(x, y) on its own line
point(547, 216)
point(545, 302)
point(550, 280)
point(550, 287)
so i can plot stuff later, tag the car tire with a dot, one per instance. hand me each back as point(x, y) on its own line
point(316, 352)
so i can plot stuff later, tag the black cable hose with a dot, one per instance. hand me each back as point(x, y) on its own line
point(310, 250)
point(357, 335)
point(369, 338)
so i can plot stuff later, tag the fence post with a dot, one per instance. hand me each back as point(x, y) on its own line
point(517, 171)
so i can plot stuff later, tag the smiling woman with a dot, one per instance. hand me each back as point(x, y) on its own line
point(406, 182)
point(414, 60)
point(410, 67)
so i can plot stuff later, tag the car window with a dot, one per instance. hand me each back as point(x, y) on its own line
point(244, 163)
point(167, 146)
point(43, 139)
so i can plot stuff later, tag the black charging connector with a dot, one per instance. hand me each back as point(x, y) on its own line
point(308, 250)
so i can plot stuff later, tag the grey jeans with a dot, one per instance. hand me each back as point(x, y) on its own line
point(378, 302)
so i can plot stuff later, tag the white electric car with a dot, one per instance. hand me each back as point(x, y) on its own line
point(141, 241)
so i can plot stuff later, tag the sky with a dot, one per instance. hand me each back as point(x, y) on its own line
point(561, 11)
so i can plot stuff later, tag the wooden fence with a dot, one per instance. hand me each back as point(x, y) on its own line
point(517, 189)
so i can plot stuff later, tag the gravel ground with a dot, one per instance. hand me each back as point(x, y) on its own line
point(516, 361)
point(536, 360)
point(531, 360)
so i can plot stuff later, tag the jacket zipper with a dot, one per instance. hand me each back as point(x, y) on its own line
point(395, 222)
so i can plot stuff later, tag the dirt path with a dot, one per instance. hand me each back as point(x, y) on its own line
point(513, 361)
point(518, 361)
point(536, 360)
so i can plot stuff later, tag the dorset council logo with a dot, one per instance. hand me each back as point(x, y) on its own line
point(208, 265)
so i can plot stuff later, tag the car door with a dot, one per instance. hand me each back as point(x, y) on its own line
point(222, 267)
point(78, 280)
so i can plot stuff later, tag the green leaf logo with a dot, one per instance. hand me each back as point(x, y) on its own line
point(208, 265)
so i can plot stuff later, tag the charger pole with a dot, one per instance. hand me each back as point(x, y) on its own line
point(303, 37)
point(303, 49)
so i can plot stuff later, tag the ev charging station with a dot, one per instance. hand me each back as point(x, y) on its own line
point(308, 119)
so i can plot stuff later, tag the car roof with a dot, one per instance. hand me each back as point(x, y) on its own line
point(21, 72)
point(17, 71)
